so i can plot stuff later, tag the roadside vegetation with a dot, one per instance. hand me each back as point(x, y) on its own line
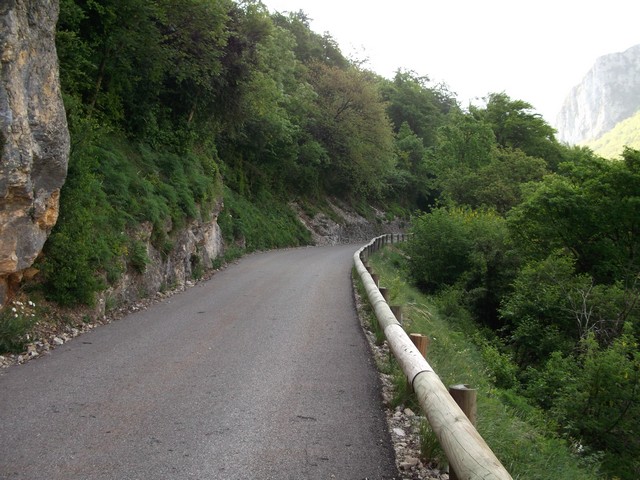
point(548, 293)
point(519, 434)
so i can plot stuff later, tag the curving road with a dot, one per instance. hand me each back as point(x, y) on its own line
point(261, 372)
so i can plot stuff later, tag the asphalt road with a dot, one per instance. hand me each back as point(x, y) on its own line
point(262, 372)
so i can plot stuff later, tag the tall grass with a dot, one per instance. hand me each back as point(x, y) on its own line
point(264, 223)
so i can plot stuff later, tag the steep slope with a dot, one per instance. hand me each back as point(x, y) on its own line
point(611, 144)
point(608, 94)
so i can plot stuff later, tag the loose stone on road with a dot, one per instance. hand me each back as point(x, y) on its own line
point(261, 372)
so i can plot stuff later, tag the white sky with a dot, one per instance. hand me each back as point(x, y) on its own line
point(533, 50)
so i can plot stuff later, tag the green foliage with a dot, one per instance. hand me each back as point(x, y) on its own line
point(464, 247)
point(538, 313)
point(261, 225)
point(16, 320)
point(197, 268)
point(138, 256)
point(516, 126)
point(439, 248)
point(112, 185)
point(600, 407)
point(353, 128)
point(84, 246)
point(593, 397)
point(560, 316)
point(472, 169)
point(411, 101)
point(500, 366)
point(519, 434)
point(592, 209)
point(411, 184)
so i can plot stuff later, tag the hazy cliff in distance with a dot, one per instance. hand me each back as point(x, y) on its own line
point(608, 94)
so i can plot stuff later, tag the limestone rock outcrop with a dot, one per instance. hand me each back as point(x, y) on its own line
point(608, 94)
point(195, 247)
point(34, 138)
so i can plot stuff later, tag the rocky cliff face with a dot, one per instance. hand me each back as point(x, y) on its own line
point(608, 94)
point(194, 249)
point(34, 139)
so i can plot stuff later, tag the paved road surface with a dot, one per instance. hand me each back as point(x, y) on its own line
point(261, 372)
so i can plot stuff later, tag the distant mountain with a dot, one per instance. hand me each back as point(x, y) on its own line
point(612, 143)
point(608, 94)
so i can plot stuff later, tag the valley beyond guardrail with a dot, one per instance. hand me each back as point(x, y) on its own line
point(468, 454)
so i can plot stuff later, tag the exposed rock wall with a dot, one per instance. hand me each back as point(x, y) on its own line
point(346, 226)
point(194, 249)
point(34, 139)
point(608, 94)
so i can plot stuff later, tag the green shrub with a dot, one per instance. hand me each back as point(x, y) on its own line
point(439, 248)
point(16, 321)
point(138, 256)
point(500, 366)
point(87, 240)
point(598, 405)
point(197, 268)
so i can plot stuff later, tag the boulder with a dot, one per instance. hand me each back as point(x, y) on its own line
point(34, 138)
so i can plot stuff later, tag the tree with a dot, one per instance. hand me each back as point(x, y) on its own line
point(590, 208)
point(410, 100)
point(466, 248)
point(352, 126)
point(412, 184)
point(516, 126)
point(310, 47)
point(473, 170)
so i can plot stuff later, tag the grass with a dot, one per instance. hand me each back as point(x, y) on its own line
point(515, 431)
point(262, 224)
point(16, 321)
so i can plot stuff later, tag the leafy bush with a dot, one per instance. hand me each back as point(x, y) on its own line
point(467, 248)
point(598, 405)
point(439, 248)
point(87, 241)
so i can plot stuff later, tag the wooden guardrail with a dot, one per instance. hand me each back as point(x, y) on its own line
point(468, 454)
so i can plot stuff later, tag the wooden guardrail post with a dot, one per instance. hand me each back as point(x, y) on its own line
point(397, 312)
point(385, 293)
point(466, 398)
point(421, 342)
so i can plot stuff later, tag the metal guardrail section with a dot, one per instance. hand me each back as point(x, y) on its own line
point(467, 452)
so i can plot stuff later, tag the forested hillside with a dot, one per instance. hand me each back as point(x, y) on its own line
point(196, 109)
point(172, 105)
